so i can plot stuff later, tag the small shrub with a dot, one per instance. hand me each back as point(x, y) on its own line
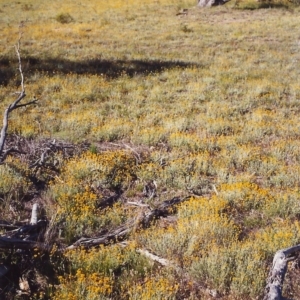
point(92, 274)
point(186, 29)
point(77, 192)
point(64, 18)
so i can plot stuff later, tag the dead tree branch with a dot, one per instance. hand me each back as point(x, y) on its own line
point(169, 264)
point(162, 261)
point(14, 243)
point(142, 221)
point(273, 290)
point(14, 105)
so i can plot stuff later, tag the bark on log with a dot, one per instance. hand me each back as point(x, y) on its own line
point(117, 235)
point(273, 290)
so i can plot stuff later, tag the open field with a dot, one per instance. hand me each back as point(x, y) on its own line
point(157, 104)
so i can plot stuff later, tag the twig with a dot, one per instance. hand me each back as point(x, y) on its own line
point(215, 189)
point(138, 204)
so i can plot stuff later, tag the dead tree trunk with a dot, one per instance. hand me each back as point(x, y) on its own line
point(273, 290)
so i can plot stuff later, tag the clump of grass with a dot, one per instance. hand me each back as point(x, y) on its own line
point(27, 7)
point(186, 29)
point(64, 18)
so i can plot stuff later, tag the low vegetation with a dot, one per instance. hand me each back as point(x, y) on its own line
point(139, 104)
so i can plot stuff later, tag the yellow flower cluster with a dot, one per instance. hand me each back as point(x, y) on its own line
point(93, 274)
point(244, 196)
point(77, 191)
point(154, 287)
point(83, 286)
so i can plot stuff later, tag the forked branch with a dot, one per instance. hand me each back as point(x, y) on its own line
point(14, 105)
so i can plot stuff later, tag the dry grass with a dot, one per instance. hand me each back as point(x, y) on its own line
point(204, 104)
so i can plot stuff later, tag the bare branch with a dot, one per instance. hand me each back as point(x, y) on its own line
point(138, 204)
point(162, 261)
point(169, 264)
point(26, 104)
point(17, 48)
point(14, 105)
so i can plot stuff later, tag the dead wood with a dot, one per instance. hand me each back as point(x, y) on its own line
point(144, 220)
point(273, 290)
point(116, 235)
point(14, 105)
point(34, 214)
point(179, 270)
point(33, 235)
point(162, 261)
point(14, 243)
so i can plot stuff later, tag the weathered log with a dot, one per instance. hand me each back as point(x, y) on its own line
point(6, 225)
point(24, 237)
point(14, 243)
point(142, 221)
point(162, 261)
point(117, 235)
point(273, 290)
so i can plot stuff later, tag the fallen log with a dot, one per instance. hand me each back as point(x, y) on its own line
point(275, 280)
point(14, 243)
point(25, 236)
point(142, 221)
point(117, 235)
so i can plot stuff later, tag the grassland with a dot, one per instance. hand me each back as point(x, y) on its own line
point(202, 105)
